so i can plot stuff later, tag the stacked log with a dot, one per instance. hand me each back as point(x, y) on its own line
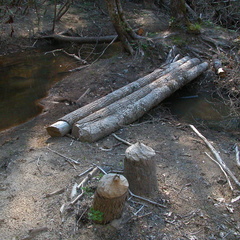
point(127, 104)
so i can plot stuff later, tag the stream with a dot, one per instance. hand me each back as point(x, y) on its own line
point(26, 78)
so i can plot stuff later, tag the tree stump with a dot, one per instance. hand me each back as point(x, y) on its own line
point(110, 197)
point(140, 169)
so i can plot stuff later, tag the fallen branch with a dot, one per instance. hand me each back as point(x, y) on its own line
point(122, 140)
point(237, 156)
point(220, 166)
point(69, 160)
point(146, 200)
point(60, 191)
point(88, 177)
point(217, 156)
point(83, 95)
point(85, 172)
point(68, 54)
point(81, 40)
point(235, 199)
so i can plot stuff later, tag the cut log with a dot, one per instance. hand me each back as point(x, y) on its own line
point(217, 64)
point(98, 128)
point(135, 96)
point(56, 129)
point(110, 197)
point(140, 169)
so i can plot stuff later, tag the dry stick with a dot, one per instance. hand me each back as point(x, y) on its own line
point(146, 200)
point(69, 160)
point(235, 199)
point(122, 140)
point(83, 183)
point(88, 177)
point(55, 193)
point(87, 171)
point(217, 156)
point(77, 198)
point(237, 156)
point(84, 94)
point(104, 50)
point(220, 166)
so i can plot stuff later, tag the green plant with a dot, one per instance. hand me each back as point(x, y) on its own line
point(99, 176)
point(144, 46)
point(88, 190)
point(196, 27)
point(95, 215)
point(178, 40)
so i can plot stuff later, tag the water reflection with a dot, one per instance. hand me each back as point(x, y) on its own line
point(206, 110)
point(24, 79)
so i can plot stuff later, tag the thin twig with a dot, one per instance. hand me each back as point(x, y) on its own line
point(217, 156)
point(87, 171)
point(122, 140)
point(235, 199)
point(77, 198)
point(69, 160)
point(228, 180)
point(84, 94)
point(88, 177)
point(237, 156)
point(60, 191)
point(146, 200)
point(102, 170)
point(105, 49)
point(74, 191)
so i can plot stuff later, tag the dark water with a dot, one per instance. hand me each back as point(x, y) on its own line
point(24, 79)
point(204, 109)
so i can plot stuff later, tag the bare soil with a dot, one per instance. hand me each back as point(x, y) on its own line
point(191, 186)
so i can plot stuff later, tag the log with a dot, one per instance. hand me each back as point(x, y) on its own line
point(98, 128)
point(81, 40)
point(217, 64)
point(58, 129)
point(133, 97)
point(110, 197)
point(140, 169)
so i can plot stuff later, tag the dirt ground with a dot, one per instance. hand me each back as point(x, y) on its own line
point(194, 190)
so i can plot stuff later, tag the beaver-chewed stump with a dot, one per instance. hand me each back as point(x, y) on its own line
point(110, 197)
point(140, 169)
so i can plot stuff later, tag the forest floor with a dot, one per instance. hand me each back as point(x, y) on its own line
point(193, 188)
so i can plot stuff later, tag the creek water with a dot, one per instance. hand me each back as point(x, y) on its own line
point(203, 109)
point(25, 78)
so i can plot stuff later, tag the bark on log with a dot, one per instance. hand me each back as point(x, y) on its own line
point(98, 128)
point(110, 197)
point(55, 130)
point(140, 170)
point(135, 96)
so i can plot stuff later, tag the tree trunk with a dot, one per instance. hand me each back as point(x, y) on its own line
point(125, 33)
point(140, 170)
point(64, 125)
point(179, 13)
point(134, 108)
point(110, 197)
